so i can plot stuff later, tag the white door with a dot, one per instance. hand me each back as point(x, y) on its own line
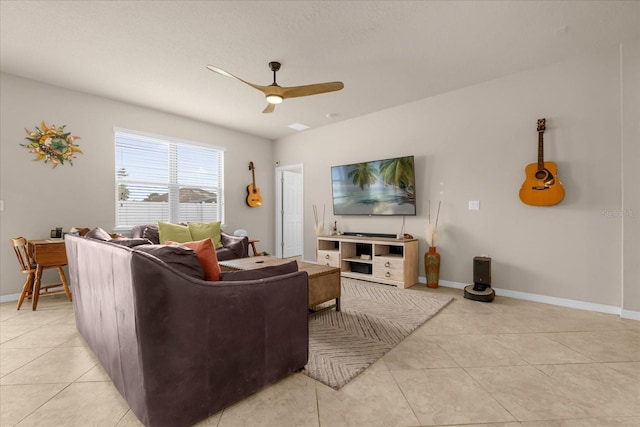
point(292, 214)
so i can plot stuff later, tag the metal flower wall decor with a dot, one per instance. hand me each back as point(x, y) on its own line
point(52, 144)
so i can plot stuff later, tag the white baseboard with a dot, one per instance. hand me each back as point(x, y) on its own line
point(628, 314)
point(563, 302)
point(9, 298)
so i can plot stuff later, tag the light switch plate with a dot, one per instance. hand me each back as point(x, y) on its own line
point(474, 205)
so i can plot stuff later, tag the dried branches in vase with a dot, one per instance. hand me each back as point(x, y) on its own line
point(319, 225)
point(432, 229)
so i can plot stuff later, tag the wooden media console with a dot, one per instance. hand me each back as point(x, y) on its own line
point(376, 259)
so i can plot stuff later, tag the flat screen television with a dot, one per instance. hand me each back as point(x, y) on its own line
point(380, 187)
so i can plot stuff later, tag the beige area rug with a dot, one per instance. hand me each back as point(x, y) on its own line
point(374, 319)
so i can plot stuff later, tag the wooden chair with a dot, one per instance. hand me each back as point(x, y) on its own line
point(27, 266)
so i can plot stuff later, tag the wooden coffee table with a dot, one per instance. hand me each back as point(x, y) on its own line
point(324, 281)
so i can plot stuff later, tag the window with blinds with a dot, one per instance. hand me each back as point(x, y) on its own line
point(162, 179)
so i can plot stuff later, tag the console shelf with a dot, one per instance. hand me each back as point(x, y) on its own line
point(376, 259)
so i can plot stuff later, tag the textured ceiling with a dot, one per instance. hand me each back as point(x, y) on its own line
point(387, 53)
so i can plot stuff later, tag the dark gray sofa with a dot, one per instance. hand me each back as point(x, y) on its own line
point(179, 348)
point(233, 246)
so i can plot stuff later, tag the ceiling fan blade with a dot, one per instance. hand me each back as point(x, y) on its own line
point(314, 89)
point(228, 74)
point(270, 108)
point(275, 94)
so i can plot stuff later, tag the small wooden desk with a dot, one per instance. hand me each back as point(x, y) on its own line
point(48, 254)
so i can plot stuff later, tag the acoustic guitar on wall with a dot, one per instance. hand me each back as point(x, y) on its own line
point(254, 199)
point(541, 187)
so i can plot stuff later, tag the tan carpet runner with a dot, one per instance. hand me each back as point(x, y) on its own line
point(374, 319)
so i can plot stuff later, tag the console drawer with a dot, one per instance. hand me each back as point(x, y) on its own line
point(330, 258)
point(387, 268)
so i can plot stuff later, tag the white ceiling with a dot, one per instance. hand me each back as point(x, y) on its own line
point(387, 53)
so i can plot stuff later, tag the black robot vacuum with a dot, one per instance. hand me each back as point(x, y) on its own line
point(481, 288)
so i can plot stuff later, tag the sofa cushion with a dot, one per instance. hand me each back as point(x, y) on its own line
point(233, 246)
point(98, 234)
point(131, 242)
point(206, 254)
point(174, 232)
point(203, 230)
point(182, 259)
point(260, 273)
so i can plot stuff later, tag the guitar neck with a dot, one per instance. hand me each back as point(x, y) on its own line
point(253, 176)
point(540, 152)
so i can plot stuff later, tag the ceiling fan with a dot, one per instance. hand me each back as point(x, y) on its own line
point(275, 93)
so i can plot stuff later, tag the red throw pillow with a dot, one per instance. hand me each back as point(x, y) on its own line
point(206, 255)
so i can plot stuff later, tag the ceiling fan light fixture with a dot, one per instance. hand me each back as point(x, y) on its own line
point(274, 99)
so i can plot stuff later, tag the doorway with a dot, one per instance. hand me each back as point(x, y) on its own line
point(289, 211)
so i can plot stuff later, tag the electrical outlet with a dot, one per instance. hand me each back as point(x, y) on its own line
point(474, 205)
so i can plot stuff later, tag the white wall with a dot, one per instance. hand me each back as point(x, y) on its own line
point(630, 87)
point(473, 144)
point(38, 198)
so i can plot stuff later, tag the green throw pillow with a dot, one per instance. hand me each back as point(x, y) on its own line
point(203, 230)
point(173, 232)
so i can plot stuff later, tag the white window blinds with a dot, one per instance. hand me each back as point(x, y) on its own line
point(160, 179)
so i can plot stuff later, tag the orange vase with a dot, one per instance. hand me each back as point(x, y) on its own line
point(432, 267)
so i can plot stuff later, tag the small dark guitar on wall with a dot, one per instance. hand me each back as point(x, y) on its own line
point(254, 199)
point(541, 187)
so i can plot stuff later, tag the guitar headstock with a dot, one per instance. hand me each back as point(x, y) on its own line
point(251, 167)
point(541, 123)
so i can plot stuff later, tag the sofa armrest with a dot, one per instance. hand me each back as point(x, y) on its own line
point(138, 231)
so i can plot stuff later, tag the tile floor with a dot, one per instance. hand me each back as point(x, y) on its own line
point(507, 363)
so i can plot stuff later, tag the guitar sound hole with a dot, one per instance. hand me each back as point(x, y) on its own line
point(542, 174)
